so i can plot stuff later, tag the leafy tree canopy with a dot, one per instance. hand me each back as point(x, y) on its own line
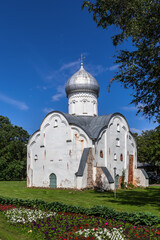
point(13, 140)
point(139, 69)
point(148, 144)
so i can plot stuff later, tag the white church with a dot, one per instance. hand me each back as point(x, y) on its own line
point(80, 149)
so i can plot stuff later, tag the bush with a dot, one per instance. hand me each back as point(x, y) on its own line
point(137, 218)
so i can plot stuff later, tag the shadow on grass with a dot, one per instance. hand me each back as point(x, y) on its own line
point(134, 197)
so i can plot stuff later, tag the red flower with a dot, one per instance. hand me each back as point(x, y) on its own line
point(95, 229)
point(158, 233)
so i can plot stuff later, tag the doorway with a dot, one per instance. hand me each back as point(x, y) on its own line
point(53, 180)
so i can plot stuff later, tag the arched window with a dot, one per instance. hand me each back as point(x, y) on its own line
point(84, 106)
point(55, 123)
point(94, 108)
point(115, 156)
point(101, 154)
point(73, 107)
point(121, 157)
point(117, 142)
point(118, 128)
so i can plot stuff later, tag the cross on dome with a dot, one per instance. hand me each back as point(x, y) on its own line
point(82, 60)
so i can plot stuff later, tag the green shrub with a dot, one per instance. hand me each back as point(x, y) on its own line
point(137, 218)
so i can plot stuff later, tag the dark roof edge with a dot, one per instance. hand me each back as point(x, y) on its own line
point(82, 163)
point(104, 127)
point(107, 174)
point(42, 122)
point(133, 137)
point(64, 115)
point(112, 115)
point(144, 173)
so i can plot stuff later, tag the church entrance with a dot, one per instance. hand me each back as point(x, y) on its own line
point(130, 171)
point(53, 180)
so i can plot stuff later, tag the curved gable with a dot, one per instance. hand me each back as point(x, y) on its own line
point(92, 126)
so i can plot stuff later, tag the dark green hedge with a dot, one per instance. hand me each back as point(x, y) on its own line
point(137, 218)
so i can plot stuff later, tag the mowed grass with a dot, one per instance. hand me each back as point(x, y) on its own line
point(9, 232)
point(140, 200)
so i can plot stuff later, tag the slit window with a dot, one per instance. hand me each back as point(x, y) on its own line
point(115, 156)
point(55, 123)
point(84, 106)
point(117, 142)
point(118, 128)
point(101, 154)
point(73, 107)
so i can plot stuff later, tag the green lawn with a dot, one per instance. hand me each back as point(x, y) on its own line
point(147, 200)
point(9, 232)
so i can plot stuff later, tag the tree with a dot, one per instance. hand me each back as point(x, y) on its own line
point(148, 146)
point(138, 20)
point(13, 140)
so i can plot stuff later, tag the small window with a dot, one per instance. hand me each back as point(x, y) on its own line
point(84, 106)
point(115, 156)
point(121, 157)
point(130, 137)
point(101, 154)
point(55, 123)
point(117, 142)
point(95, 108)
point(124, 127)
point(36, 157)
point(132, 144)
point(73, 107)
point(118, 128)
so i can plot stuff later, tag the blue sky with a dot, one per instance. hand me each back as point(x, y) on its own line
point(40, 47)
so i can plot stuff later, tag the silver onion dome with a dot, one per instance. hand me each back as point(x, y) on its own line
point(82, 81)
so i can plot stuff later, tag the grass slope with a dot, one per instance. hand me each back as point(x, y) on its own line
point(144, 200)
point(9, 232)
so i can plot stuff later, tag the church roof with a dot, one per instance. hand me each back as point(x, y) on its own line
point(92, 126)
point(82, 81)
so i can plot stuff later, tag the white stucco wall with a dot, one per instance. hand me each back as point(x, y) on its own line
point(101, 150)
point(59, 148)
point(140, 179)
point(116, 145)
point(82, 104)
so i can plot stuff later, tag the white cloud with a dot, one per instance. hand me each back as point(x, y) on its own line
point(131, 108)
point(69, 65)
point(20, 105)
point(98, 69)
point(140, 118)
point(57, 74)
point(135, 130)
point(47, 109)
point(60, 93)
point(114, 67)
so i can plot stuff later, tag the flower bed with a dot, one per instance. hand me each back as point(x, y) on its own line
point(65, 226)
point(6, 207)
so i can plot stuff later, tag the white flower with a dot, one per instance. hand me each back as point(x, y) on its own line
point(26, 215)
point(115, 234)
